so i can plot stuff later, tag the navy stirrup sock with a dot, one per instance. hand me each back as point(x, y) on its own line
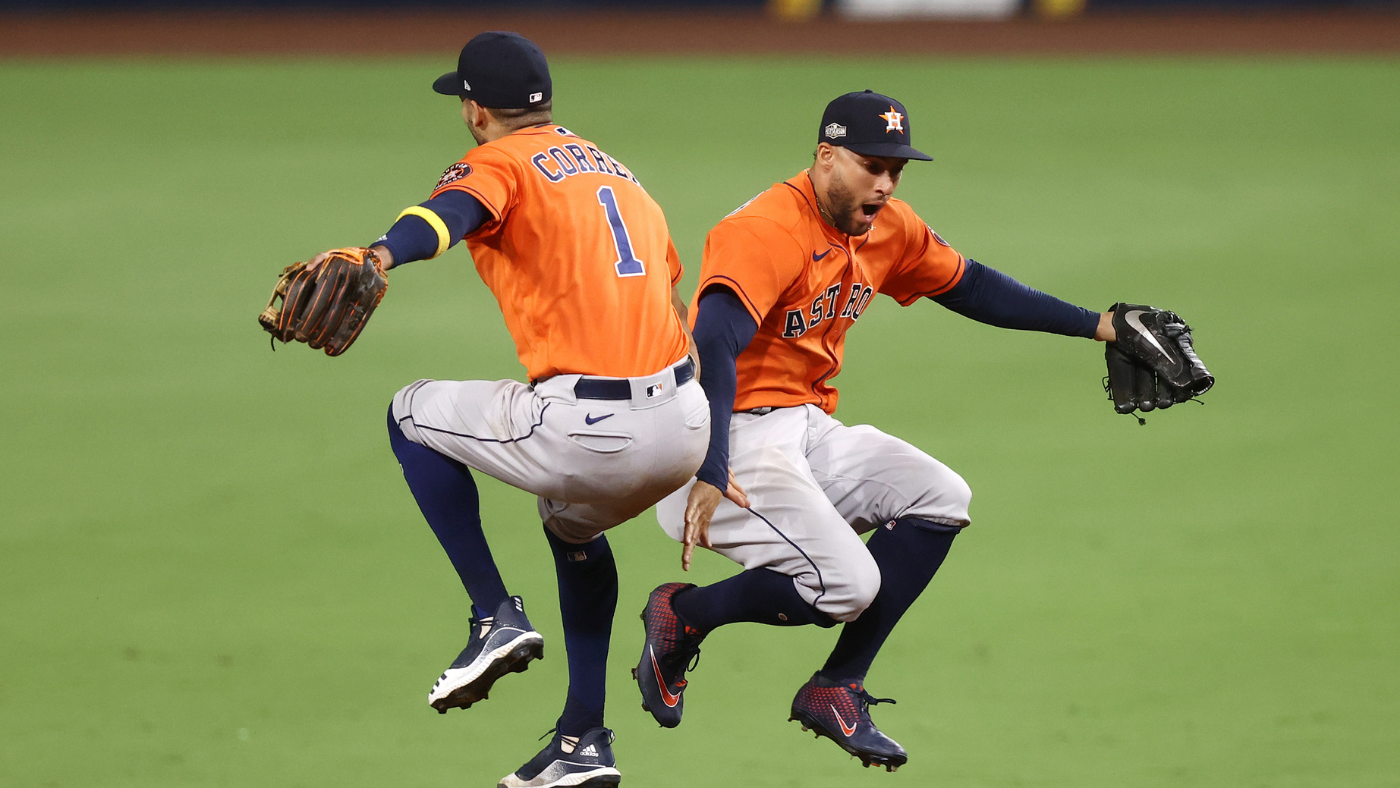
point(587, 600)
point(761, 596)
point(446, 495)
point(908, 556)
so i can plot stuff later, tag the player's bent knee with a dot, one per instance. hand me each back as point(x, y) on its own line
point(856, 593)
point(945, 500)
point(959, 496)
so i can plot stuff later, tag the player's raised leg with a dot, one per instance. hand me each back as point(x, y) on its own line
point(803, 563)
point(501, 640)
point(916, 505)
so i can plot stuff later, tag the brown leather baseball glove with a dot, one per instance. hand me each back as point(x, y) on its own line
point(326, 308)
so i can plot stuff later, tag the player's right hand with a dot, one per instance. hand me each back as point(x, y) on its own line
point(700, 507)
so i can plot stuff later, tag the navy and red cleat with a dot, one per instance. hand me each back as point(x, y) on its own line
point(841, 712)
point(671, 649)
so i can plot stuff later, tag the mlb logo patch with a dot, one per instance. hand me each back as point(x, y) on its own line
point(534, 97)
point(656, 391)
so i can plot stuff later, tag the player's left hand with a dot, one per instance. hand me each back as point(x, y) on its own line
point(700, 508)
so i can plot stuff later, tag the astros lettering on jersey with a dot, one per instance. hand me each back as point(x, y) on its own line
point(806, 283)
point(580, 224)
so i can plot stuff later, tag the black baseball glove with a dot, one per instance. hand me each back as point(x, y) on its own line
point(326, 308)
point(1152, 364)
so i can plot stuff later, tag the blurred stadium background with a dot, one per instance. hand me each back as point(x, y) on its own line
point(1210, 600)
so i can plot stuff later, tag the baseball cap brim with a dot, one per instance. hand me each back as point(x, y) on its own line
point(449, 84)
point(892, 150)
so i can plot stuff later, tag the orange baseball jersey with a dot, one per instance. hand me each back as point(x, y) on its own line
point(806, 283)
point(576, 252)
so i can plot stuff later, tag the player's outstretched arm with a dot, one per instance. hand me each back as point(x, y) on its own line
point(426, 230)
point(988, 296)
point(1149, 352)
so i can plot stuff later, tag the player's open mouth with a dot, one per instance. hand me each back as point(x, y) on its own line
point(871, 208)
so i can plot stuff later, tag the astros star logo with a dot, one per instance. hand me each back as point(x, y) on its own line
point(893, 120)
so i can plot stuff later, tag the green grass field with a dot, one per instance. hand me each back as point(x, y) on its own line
point(212, 574)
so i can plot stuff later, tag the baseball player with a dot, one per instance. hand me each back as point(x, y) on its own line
point(784, 277)
point(579, 258)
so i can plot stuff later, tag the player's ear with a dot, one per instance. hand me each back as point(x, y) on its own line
point(825, 156)
point(473, 113)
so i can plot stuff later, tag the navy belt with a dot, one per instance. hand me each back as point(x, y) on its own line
point(621, 388)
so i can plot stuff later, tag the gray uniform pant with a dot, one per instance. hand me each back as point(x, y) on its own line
point(593, 463)
point(814, 486)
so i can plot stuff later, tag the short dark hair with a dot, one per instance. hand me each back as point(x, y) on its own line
point(529, 116)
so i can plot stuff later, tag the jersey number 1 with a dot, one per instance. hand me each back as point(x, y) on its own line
point(627, 264)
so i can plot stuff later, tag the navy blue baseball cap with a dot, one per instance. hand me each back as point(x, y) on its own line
point(499, 70)
point(870, 124)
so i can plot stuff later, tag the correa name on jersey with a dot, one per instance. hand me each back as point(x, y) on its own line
point(571, 158)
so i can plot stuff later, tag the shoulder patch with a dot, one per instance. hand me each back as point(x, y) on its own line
point(453, 174)
point(938, 237)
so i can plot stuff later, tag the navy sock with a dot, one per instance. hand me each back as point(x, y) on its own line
point(908, 556)
point(587, 600)
point(446, 495)
point(761, 596)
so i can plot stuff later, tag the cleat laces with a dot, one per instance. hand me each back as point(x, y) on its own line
point(867, 700)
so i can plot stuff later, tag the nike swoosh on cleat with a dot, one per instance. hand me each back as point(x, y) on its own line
point(590, 420)
point(1133, 317)
point(666, 696)
point(849, 731)
point(816, 258)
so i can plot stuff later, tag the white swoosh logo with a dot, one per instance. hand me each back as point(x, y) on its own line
point(1133, 317)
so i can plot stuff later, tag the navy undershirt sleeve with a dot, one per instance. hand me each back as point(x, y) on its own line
point(989, 296)
point(723, 328)
point(412, 238)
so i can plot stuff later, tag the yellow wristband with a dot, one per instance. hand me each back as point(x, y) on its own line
point(434, 221)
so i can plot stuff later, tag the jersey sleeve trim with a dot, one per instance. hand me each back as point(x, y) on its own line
point(481, 198)
point(444, 238)
point(941, 289)
point(732, 284)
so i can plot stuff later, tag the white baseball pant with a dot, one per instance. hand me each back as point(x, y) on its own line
point(814, 486)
